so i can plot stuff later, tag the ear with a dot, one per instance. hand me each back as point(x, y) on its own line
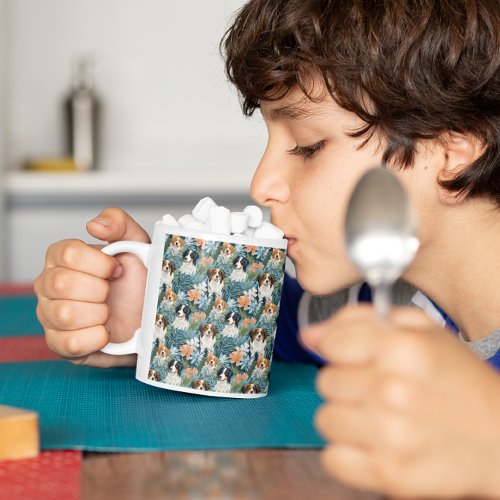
point(460, 150)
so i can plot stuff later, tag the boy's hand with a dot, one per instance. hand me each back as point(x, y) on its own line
point(409, 410)
point(86, 298)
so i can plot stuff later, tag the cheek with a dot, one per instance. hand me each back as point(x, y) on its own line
point(321, 262)
point(321, 213)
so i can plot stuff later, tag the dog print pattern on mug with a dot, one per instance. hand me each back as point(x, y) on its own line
point(216, 315)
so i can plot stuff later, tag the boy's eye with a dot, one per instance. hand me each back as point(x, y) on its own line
point(307, 151)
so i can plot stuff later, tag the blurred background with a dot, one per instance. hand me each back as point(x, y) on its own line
point(114, 103)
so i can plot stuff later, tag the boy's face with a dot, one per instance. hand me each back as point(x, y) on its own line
point(305, 178)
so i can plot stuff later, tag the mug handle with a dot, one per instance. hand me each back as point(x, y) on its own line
point(143, 251)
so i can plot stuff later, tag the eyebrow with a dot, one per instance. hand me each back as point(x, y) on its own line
point(286, 112)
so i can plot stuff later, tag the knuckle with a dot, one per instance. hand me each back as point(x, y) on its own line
point(412, 345)
point(59, 281)
point(72, 346)
point(64, 315)
point(415, 344)
point(71, 253)
point(412, 349)
point(394, 392)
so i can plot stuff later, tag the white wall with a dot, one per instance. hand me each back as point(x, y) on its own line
point(167, 104)
point(167, 109)
point(3, 235)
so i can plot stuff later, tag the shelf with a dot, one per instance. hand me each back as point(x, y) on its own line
point(147, 182)
point(48, 187)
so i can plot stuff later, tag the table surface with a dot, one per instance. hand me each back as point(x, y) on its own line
point(240, 474)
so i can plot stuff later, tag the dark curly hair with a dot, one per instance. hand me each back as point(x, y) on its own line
point(424, 66)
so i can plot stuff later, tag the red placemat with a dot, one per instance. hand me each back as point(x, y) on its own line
point(16, 289)
point(25, 348)
point(54, 475)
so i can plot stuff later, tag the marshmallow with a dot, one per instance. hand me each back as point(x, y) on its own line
point(254, 215)
point(170, 220)
point(219, 220)
point(268, 231)
point(249, 232)
point(188, 221)
point(239, 222)
point(207, 216)
point(202, 209)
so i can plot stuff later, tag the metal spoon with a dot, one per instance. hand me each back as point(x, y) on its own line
point(381, 233)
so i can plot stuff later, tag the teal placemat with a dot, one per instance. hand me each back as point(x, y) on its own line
point(18, 316)
point(108, 410)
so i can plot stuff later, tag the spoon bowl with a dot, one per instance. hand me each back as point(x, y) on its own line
point(381, 232)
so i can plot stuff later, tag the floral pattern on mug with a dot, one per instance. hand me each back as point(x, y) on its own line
point(217, 308)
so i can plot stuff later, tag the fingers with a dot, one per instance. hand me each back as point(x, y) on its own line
point(356, 336)
point(77, 343)
point(345, 424)
point(82, 347)
point(75, 294)
point(114, 224)
point(345, 384)
point(318, 337)
point(344, 341)
point(71, 315)
point(78, 256)
point(412, 318)
point(61, 283)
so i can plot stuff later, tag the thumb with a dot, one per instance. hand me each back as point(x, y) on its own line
point(114, 224)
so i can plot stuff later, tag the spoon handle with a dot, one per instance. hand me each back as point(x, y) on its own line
point(382, 300)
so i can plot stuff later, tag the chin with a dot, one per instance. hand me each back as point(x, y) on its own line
point(321, 283)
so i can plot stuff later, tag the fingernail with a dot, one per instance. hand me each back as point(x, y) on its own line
point(311, 335)
point(102, 220)
point(117, 272)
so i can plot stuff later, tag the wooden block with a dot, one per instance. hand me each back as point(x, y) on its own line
point(19, 436)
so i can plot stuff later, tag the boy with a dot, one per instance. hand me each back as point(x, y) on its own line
point(344, 86)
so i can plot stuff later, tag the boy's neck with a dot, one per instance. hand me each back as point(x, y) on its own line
point(460, 271)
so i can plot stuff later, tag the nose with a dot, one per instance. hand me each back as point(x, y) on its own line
point(269, 184)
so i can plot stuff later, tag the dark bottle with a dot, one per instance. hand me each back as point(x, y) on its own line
point(82, 119)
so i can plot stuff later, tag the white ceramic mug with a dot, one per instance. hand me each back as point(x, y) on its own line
point(210, 309)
